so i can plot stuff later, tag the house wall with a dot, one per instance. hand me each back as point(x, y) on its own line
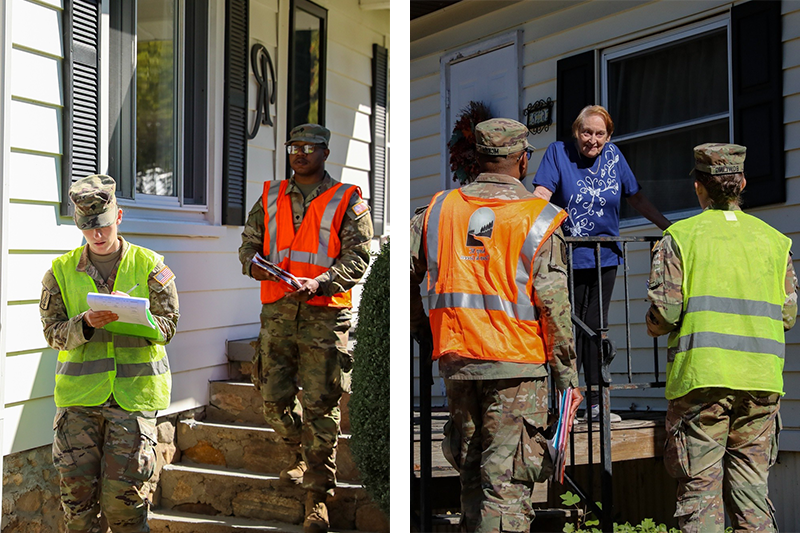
point(554, 30)
point(218, 303)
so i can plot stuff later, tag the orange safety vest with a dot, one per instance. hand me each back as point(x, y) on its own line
point(480, 255)
point(316, 245)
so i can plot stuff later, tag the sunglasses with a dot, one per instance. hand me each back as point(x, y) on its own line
point(306, 148)
point(528, 151)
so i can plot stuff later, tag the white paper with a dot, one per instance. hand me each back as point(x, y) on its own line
point(130, 309)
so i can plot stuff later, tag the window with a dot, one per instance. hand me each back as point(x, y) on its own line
point(307, 64)
point(665, 97)
point(157, 104)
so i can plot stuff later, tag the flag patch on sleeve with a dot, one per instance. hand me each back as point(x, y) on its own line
point(360, 208)
point(164, 276)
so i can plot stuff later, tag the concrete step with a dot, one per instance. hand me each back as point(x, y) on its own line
point(257, 449)
point(213, 490)
point(240, 403)
point(166, 521)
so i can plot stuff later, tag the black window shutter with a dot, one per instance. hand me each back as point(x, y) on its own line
point(196, 104)
point(574, 90)
point(234, 158)
point(758, 99)
point(81, 70)
point(380, 73)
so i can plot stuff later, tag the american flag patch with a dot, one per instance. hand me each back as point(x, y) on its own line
point(164, 276)
point(360, 208)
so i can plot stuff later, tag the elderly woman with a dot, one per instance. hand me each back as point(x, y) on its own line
point(588, 178)
point(722, 284)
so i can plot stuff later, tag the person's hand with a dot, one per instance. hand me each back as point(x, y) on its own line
point(98, 319)
point(577, 398)
point(261, 274)
point(306, 291)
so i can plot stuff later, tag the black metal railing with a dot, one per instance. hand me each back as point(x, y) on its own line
point(606, 352)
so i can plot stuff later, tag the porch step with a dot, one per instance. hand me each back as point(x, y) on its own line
point(240, 403)
point(177, 522)
point(256, 449)
point(224, 491)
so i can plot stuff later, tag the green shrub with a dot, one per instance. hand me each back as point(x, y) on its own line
point(588, 522)
point(369, 403)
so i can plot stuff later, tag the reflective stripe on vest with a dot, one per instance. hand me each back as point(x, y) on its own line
point(134, 370)
point(731, 331)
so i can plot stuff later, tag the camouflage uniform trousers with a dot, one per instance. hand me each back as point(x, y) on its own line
point(104, 456)
point(493, 439)
point(308, 350)
point(720, 445)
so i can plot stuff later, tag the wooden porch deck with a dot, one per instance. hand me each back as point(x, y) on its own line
point(640, 435)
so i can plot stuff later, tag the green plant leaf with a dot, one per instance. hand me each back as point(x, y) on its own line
point(569, 528)
point(570, 499)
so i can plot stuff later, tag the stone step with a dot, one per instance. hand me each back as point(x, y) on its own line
point(242, 350)
point(167, 521)
point(240, 403)
point(257, 449)
point(213, 490)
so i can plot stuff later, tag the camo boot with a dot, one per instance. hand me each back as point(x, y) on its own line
point(316, 513)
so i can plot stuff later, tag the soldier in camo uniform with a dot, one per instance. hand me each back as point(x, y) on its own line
point(320, 231)
point(723, 285)
point(105, 423)
point(494, 363)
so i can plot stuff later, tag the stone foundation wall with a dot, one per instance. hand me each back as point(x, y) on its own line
point(31, 500)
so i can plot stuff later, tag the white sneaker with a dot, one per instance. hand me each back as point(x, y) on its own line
point(595, 414)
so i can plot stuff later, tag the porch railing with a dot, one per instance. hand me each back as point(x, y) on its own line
point(606, 353)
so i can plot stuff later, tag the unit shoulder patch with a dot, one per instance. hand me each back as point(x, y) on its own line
point(44, 302)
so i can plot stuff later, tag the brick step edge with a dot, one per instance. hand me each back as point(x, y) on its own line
point(169, 521)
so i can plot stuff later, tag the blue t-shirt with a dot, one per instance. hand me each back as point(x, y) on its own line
point(590, 191)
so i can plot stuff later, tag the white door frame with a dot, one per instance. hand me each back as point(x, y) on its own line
point(512, 38)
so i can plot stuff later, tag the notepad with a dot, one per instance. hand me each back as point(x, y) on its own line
point(135, 319)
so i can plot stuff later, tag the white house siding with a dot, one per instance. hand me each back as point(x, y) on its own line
point(554, 30)
point(217, 302)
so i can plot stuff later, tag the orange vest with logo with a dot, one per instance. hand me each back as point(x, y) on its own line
point(480, 255)
point(316, 245)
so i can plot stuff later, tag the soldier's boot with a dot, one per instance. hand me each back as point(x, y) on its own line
point(294, 472)
point(316, 513)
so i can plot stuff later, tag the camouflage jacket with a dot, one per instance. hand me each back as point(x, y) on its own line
point(355, 235)
point(64, 332)
point(550, 295)
point(664, 290)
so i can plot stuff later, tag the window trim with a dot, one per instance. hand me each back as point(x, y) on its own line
point(664, 39)
point(126, 178)
point(321, 13)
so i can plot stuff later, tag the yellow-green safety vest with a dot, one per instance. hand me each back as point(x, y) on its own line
point(731, 333)
point(134, 370)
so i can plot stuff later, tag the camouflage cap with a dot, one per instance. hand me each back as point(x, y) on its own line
point(500, 136)
point(95, 203)
point(310, 133)
point(718, 158)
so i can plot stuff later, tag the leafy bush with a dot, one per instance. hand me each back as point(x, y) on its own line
point(369, 403)
point(589, 523)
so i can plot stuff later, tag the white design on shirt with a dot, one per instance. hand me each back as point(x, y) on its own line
point(585, 207)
